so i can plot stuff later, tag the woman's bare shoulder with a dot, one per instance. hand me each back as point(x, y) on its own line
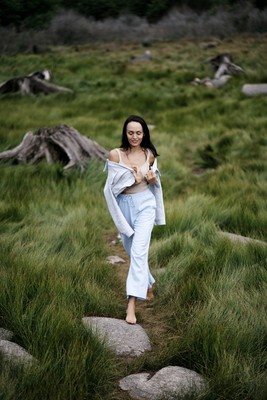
point(114, 156)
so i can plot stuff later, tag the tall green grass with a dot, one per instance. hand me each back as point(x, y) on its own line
point(53, 272)
point(55, 228)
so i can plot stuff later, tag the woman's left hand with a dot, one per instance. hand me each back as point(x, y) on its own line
point(151, 177)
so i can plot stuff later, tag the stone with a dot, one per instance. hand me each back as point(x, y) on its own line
point(5, 334)
point(254, 89)
point(15, 354)
point(125, 339)
point(242, 239)
point(168, 383)
point(159, 271)
point(115, 260)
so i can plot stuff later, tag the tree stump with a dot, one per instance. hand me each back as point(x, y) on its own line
point(62, 144)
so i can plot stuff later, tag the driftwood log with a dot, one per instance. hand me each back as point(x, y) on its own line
point(254, 89)
point(213, 83)
point(223, 64)
point(36, 82)
point(62, 144)
point(223, 68)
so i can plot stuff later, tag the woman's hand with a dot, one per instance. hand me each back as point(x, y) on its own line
point(137, 174)
point(151, 177)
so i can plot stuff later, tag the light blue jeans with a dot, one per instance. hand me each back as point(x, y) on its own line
point(139, 210)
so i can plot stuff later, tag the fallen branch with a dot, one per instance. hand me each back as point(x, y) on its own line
point(33, 83)
point(223, 68)
point(223, 64)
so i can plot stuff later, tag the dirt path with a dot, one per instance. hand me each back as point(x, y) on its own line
point(148, 314)
point(150, 320)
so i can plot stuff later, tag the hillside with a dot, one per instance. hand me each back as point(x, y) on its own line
point(209, 311)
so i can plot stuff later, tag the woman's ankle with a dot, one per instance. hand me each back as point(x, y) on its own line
point(130, 316)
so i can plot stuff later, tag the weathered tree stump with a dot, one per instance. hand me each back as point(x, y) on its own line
point(254, 89)
point(59, 144)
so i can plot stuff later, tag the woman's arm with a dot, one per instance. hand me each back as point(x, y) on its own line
point(114, 156)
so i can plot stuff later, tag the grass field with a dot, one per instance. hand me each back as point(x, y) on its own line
point(209, 312)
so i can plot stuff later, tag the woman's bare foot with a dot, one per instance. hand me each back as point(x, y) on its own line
point(149, 295)
point(130, 317)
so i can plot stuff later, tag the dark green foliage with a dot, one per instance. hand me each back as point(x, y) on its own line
point(27, 13)
point(98, 9)
point(211, 156)
point(36, 13)
point(153, 10)
point(209, 159)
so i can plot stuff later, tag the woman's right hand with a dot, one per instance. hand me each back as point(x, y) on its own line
point(137, 174)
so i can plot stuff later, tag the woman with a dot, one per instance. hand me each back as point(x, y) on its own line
point(134, 197)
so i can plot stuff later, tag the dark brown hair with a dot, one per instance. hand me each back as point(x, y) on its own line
point(146, 142)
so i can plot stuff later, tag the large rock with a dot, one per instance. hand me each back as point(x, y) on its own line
point(5, 334)
point(168, 383)
point(254, 89)
point(125, 339)
point(15, 354)
point(242, 239)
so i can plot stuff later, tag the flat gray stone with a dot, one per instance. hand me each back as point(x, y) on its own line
point(169, 383)
point(159, 271)
point(242, 239)
point(15, 354)
point(254, 89)
point(125, 339)
point(6, 334)
point(115, 260)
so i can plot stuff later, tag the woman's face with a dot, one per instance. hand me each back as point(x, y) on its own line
point(135, 134)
